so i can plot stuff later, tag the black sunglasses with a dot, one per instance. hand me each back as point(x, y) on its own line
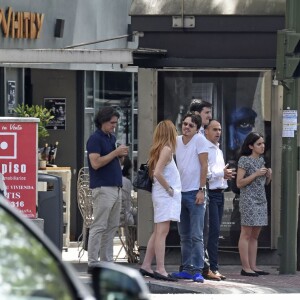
point(188, 124)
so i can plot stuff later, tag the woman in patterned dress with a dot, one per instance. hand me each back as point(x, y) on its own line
point(252, 176)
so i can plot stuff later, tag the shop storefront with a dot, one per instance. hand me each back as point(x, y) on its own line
point(225, 55)
point(73, 82)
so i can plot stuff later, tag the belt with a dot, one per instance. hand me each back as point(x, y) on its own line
point(217, 191)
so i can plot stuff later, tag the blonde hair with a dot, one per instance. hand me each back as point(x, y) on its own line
point(164, 135)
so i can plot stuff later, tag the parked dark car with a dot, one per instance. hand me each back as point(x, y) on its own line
point(31, 267)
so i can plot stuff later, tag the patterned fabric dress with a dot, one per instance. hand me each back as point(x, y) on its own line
point(253, 202)
point(167, 208)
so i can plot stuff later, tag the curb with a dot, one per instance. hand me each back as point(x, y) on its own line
point(168, 288)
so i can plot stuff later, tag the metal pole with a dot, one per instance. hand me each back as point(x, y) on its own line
point(289, 199)
point(289, 211)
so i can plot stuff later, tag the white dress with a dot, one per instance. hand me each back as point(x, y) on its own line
point(167, 208)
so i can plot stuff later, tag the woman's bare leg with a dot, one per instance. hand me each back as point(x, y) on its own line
point(244, 241)
point(150, 252)
point(253, 247)
point(162, 229)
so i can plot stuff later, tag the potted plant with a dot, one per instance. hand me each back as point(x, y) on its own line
point(36, 111)
point(44, 114)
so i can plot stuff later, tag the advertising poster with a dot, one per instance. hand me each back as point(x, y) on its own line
point(18, 164)
point(249, 110)
point(11, 96)
point(57, 106)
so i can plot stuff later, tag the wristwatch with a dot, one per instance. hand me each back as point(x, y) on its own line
point(203, 189)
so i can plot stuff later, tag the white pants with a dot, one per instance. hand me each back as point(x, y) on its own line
point(106, 212)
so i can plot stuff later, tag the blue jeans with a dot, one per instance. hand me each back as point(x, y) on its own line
point(206, 267)
point(191, 232)
point(216, 208)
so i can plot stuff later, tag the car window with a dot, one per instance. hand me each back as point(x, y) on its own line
point(27, 269)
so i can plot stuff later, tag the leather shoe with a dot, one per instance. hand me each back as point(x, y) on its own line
point(262, 272)
point(217, 273)
point(210, 275)
point(163, 277)
point(146, 273)
point(250, 274)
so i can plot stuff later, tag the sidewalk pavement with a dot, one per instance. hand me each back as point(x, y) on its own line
point(274, 283)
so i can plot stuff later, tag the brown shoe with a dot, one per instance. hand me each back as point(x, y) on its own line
point(217, 273)
point(211, 276)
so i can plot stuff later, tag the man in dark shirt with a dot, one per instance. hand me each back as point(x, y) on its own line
point(105, 182)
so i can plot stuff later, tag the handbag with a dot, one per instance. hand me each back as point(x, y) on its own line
point(142, 180)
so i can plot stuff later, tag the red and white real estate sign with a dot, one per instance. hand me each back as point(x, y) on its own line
point(18, 163)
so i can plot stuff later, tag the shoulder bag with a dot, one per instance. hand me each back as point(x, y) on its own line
point(142, 180)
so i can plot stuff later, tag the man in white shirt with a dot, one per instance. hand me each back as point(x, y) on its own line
point(204, 110)
point(191, 158)
point(217, 181)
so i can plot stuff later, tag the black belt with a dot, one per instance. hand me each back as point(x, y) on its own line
point(217, 191)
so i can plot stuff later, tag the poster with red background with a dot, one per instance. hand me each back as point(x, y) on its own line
point(18, 162)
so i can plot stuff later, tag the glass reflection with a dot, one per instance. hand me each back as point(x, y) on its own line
point(27, 269)
point(116, 285)
point(242, 103)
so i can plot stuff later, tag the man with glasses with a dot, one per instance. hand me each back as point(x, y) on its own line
point(191, 158)
point(106, 183)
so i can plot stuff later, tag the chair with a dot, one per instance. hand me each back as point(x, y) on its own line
point(128, 236)
point(126, 232)
point(84, 200)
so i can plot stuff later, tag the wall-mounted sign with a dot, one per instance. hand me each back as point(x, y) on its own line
point(21, 25)
point(18, 162)
point(289, 122)
point(57, 106)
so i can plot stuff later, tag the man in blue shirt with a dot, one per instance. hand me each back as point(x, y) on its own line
point(106, 183)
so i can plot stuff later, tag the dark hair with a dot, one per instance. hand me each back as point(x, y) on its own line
point(104, 115)
point(127, 165)
point(210, 120)
point(251, 138)
point(194, 118)
point(198, 105)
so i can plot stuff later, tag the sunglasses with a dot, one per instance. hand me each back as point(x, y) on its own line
point(188, 124)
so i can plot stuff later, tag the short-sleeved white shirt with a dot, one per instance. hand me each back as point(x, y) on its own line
point(188, 161)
